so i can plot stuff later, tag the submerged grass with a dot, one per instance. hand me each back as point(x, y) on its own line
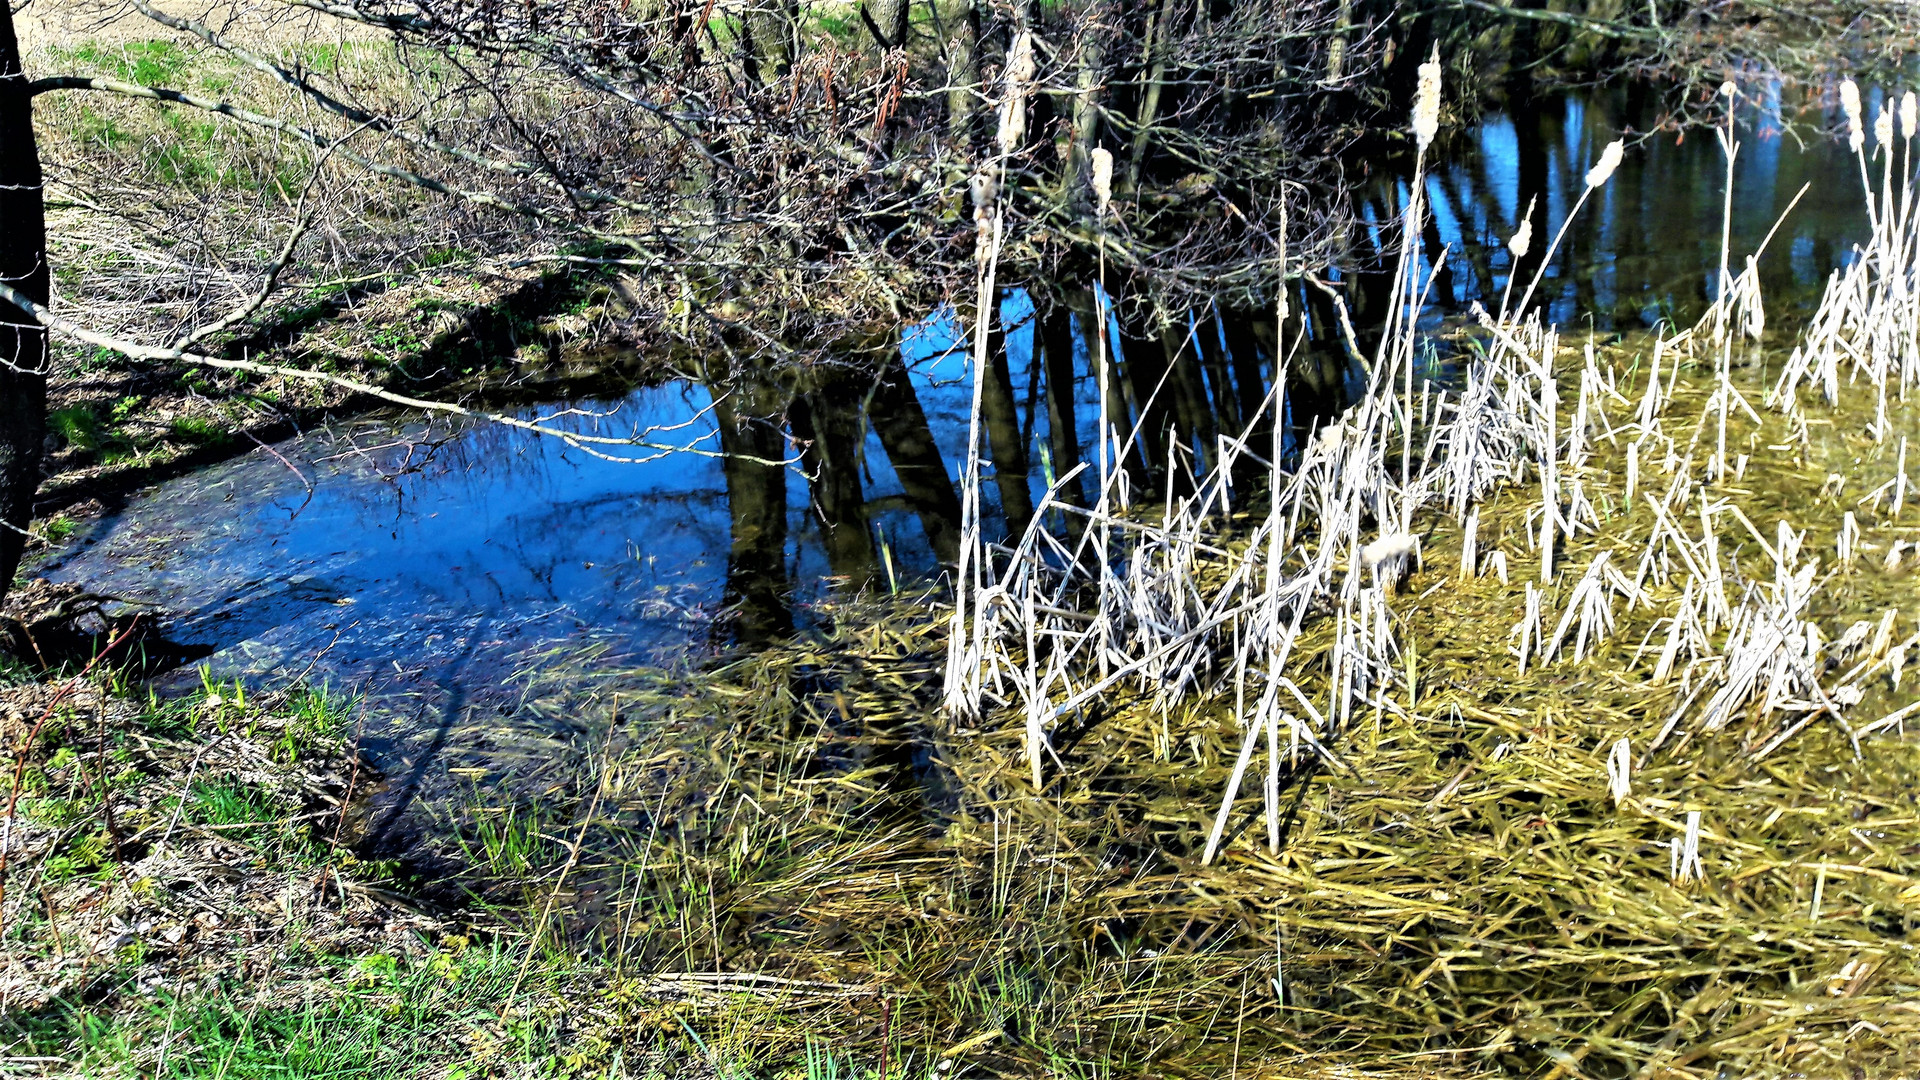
point(797, 865)
point(802, 842)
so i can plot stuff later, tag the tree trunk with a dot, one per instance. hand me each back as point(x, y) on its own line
point(1198, 429)
point(23, 341)
point(1088, 99)
point(1146, 373)
point(1317, 375)
point(1055, 339)
point(757, 500)
point(963, 81)
point(895, 413)
point(887, 21)
point(1535, 173)
point(1226, 404)
point(826, 423)
point(1002, 418)
point(1243, 355)
point(1154, 54)
point(1106, 373)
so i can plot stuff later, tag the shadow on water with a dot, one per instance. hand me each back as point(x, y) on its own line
point(418, 561)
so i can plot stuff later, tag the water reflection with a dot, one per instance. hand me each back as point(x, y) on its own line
point(416, 561)
point(1647, 246)
point(343, 530)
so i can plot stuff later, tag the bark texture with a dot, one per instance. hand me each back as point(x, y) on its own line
point(23, 342)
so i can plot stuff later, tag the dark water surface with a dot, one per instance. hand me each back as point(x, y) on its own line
point(1646, 247)
point(421, 563)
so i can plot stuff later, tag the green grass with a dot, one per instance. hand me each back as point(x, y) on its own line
point(192, 429)
point(187, 149)
point(76, 425)
point(508, 843)
point(150, 63)
point(444, 256)
point(231, 802)
point(376, 1016)
point(89, 855)
point(97, 433)
point(315, 716)
point(65, 789)
point(59, 528)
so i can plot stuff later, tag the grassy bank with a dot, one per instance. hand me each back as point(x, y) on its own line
point(182, 899)
point(165, 220)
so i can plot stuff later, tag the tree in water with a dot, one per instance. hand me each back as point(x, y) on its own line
point(23, 341)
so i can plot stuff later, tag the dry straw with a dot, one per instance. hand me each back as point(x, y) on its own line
point(1218, 643)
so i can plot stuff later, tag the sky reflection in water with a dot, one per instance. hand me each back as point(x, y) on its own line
point(425, 558)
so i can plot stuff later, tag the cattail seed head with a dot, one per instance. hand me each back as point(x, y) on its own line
point(1020, 63)
point(1012, 129)
point(1426, 102)
point(1609, 161)
point(1909, 115)
point(1850, 105)
point(1522, 238)
point(1102, 178)
point(1883, 128)
point(1013, 102)
point(983, 189)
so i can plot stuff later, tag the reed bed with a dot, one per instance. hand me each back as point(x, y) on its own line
point(1586, 868)
point(1543, 718)
point(1708, 658)
point(803, 846)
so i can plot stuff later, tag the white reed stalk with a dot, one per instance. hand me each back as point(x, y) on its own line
point(1633, 469)
point(1685, 862)
point(1900, 479)
point(1549, 471)
point(1470, 547)
point(1528, 629)
point(1620, 772)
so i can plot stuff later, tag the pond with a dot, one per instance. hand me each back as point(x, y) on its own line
point(1647, 246)
point(424, 563)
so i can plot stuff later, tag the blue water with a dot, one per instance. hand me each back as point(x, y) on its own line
point(424, 563)
point(1646, 246)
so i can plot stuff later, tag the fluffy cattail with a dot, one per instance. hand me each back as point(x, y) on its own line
point(1909, 115)
point(1390, 558)
point(1021, 67)
point(1850, 104)
point(1013, 123)
point(984, 190)
point(1013, 103)
point(1609, 161)
point(1102, 178)
point(1883, 128)
point(1522, 238)
point(1426, 102)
